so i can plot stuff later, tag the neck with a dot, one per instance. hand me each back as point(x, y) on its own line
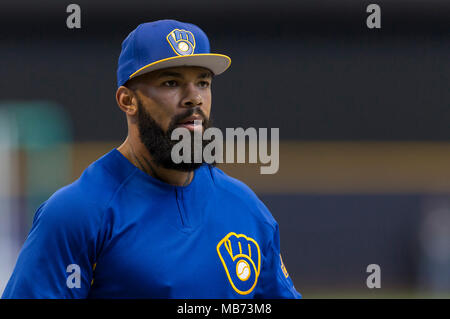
point(138, 155)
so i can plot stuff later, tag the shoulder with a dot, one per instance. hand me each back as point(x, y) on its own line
point(238, 191)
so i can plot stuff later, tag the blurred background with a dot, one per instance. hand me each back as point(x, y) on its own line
point(363, 114)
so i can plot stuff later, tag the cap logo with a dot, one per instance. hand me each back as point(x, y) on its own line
point(181, 41)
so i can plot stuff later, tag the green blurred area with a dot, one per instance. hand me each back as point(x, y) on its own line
point(43, 133)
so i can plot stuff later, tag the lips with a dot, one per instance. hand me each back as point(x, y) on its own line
point(191, 119)
point(191, 123)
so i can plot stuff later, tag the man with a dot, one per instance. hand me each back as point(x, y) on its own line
point(138, 225)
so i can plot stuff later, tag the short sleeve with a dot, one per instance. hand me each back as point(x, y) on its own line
point(57, 258)
point(274, 281)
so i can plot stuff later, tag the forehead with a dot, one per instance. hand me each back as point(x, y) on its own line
point(181, 71)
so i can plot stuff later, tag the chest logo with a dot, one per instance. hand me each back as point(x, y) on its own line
point(241, 259)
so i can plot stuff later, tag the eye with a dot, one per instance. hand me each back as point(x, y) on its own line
point(204, 84)
point(170, 83)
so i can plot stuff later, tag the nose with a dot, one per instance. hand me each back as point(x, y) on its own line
point(192, 98)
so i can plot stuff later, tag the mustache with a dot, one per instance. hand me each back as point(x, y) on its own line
point(196, 110)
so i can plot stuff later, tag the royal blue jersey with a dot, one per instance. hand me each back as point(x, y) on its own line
point(117, 232)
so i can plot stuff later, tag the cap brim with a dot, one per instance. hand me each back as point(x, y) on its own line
point(217, 63)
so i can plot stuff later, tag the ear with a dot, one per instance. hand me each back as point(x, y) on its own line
point(126, 100)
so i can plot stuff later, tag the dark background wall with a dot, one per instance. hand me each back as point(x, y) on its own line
point(311, 68)
point(328, 241)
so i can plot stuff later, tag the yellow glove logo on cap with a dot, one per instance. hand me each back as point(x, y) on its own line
point(181, 41)
point(241, 259)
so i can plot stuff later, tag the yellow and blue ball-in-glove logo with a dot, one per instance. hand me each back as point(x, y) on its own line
point(241, 259)
point(181, 41)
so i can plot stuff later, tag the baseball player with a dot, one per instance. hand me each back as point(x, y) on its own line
point(138, 225)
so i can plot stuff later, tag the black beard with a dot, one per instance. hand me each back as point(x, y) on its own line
point(159, 143)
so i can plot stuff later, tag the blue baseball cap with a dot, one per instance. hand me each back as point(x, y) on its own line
point(163, 44)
